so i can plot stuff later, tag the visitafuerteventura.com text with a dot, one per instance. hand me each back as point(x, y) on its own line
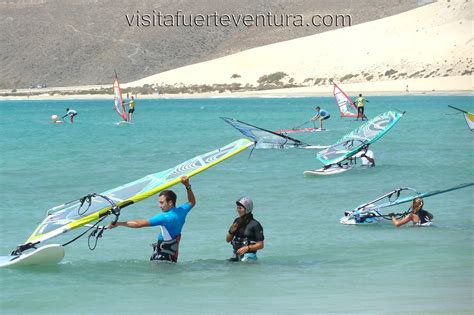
point(268, 19)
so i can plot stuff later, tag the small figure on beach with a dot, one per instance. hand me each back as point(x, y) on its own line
point(55, 120)
point(417, 215)
point(321, 114)
point(131, 106)
point(170, 221)
point(71, 113)
point(245, 234)
point(360, 104)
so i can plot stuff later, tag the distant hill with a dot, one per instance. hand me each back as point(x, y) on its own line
point(81, 42)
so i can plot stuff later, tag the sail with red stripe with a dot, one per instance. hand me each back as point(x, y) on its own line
point(119, 105)
point(347, 108)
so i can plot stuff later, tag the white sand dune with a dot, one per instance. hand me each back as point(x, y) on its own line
point(429, 48)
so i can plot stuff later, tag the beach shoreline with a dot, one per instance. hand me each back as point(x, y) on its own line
point(460, 86)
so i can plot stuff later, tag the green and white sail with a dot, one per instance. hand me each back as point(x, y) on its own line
point(353, 142)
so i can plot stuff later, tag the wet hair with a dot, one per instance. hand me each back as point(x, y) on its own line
point(169, 196)
point(360, 95)
point(244, 220)
point(317, 107)
point(417, 202)
point(67, 109)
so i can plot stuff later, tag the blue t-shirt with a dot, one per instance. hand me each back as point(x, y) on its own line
point(171, 222)
point(323, 113)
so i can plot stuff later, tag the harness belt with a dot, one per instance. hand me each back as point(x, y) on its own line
point(166, 250)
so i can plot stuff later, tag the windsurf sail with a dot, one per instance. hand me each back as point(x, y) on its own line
point(469, 117)
point(355, 141)
point(75, 214)
point(346, 106)
point(370, 212)
point(119, 104)
point(263, 138)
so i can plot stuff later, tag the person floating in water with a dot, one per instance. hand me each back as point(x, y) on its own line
point(321, 114)
point(131, 106)
point(360, 104)
point(417, 215)
point(170, 221)
point(245, 234)
point(71, 113)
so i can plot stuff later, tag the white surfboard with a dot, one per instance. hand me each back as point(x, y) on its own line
point(45, 255)
point(123, 122)
point(329, 171)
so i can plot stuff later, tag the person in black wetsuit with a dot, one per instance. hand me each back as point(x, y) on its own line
point(417, 215)
point(245, 234)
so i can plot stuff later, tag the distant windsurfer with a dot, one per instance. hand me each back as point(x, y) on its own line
point(417, 215)
point(367, 158)
point(170, 221)
point(360, 104)
point(321, 114)
point(71, 113)
point(131, 106)
point(245, 234)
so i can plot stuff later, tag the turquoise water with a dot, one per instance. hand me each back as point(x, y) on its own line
point(310, 264)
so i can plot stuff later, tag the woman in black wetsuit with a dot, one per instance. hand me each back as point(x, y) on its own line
point(245, 234)
point(417, 215)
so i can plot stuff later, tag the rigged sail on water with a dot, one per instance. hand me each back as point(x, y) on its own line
point(119, 104)
point(93, 207)
point(371, 212)
point(355, 141)
point(346, 106)
point(469, 117)
point(263, 138)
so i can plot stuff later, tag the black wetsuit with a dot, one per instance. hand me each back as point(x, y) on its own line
point(247, 234)
point(425, 217)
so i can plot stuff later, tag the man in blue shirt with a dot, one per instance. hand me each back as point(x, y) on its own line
point(170, 221)
point(321, 114)
point(71, 113)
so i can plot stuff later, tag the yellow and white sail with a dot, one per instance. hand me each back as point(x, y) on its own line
point(77, 213)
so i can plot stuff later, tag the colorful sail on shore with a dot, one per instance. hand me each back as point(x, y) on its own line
point(263, 138)
point(347, 108)
point(119, 105)
point(354, 141)
point(469, 117)
point(77, 213)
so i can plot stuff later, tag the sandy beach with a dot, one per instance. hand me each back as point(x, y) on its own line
point(426, 50)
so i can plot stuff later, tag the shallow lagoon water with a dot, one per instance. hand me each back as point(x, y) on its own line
point(310, 264)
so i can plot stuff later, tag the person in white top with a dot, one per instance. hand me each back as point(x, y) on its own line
point(367, 158)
